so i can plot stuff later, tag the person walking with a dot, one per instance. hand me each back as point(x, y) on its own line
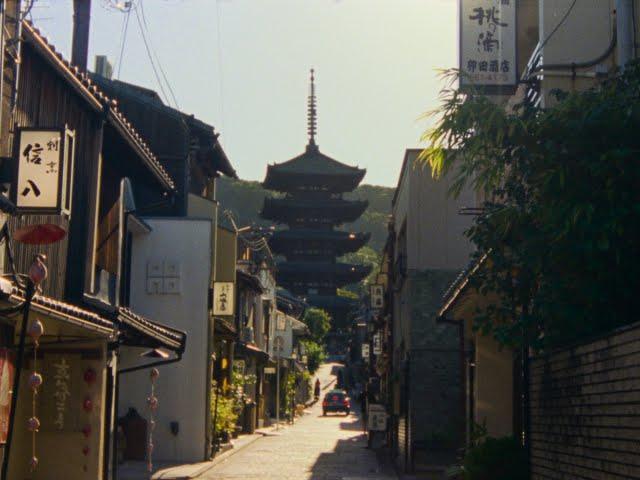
point(316, 389)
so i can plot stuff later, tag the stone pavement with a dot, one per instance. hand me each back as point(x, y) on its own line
point(314, 448)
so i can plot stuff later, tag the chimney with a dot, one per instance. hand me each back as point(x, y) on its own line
point(80, 42)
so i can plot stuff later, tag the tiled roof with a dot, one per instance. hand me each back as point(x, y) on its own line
point(459, 284)
point(64, 311)
point(167, 336)
point(313, 162)
point(98, 100)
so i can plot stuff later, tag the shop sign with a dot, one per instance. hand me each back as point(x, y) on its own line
point(365, 351)
point(223, 300)
point(377, 344)
point(377, 296)
point(376, 418)
point(43, 169)
point(269, 370)
point(488, 43)
point(6, 384)
point(61, 392)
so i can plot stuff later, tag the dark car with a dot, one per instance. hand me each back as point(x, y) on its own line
point(336, 401)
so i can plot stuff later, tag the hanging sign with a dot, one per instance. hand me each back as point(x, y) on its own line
point(488, 43)
point(377, 344)
point(40, 176)
point(365, 351)
point(269, 370)
point(223, 301)
point(376, 418)
point(377, 296)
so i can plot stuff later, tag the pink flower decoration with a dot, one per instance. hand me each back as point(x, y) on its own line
point(33, 463)
point(154, 374)
point(33, 424)
point(87, 405)
point(152, 401)
point(86, 431)
point(35, 380)
point(90, 376)
point(36, 330)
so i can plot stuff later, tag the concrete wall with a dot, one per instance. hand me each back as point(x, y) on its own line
point(182, 388)
point(493, 386)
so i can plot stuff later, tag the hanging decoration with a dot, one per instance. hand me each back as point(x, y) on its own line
point(152, 403)
point(35, 331)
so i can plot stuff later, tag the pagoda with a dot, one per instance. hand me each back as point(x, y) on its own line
point(311, 204)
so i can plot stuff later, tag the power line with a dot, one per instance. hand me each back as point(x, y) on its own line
point(562, 20)
point(153, 65)
point(125, 26)
point(164, 76)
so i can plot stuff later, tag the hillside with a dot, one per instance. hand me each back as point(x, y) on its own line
point(244, 199)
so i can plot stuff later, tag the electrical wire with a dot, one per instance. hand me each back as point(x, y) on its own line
point(153, 50)
point(125, 26)
point(153, 65)
point(562, 20)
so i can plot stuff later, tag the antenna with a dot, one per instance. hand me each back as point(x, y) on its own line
point(312, 117)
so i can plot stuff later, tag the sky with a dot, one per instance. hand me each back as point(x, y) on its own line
point(243, 67)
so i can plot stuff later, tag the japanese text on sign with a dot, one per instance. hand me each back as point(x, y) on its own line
point(61, 380)
point(488, 42)
point(39, 169)
point(223, 302)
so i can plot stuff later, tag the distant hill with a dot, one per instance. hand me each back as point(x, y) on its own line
point(245, 198)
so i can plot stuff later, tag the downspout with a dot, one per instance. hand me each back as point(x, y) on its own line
point(624, 27)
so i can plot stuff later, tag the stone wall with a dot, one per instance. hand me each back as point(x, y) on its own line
point(585, 410)
point(434, 373)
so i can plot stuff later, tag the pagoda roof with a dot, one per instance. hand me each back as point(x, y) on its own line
point(291, 208)
point(342, 241)
point(339, 273)
point(331, 302)
point(312, 168)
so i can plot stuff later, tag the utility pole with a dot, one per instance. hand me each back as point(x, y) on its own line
point(80, 41)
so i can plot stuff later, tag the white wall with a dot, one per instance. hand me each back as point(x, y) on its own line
point(435, 228)
point(182, 387)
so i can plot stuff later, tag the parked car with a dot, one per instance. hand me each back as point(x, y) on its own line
point(336, 401)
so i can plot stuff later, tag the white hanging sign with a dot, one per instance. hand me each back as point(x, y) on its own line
point(377, 296)
point(488, 43)
point(223, 299)
point(38, 185)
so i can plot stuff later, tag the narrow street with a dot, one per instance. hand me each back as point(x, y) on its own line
point(315, 448)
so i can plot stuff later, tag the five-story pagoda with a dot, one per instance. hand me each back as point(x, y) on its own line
point(312, 205)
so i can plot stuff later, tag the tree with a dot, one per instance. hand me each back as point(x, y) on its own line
point(319, 323)
point(561, 228)
point(315, 355)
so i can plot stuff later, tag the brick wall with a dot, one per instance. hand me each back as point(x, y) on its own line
point(585, 410)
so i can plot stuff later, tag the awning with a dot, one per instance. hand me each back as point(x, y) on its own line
point(59, 310)
point(250, 349)
point(224, 328)
point(140, 331)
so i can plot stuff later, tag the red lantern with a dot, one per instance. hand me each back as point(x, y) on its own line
point(87, 405)
point(90, 376)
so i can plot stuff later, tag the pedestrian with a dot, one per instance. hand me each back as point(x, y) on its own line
point(316, 389)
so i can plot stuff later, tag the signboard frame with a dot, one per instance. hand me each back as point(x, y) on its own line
point(216, 291)
point(64, 174)
point(507, 88)
point(376, 417)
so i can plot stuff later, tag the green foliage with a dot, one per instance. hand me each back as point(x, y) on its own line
point(365, 256)
point(227, 412)
point(561, 228)
point(342, 292)
point(318, 321)
point(496, 459)
point(315, 355)
point(245, 199)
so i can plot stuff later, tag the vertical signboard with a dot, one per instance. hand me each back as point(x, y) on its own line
point(223, 300)
point(377, 296)
point(488, 43)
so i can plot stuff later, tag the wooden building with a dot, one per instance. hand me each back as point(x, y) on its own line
point(83, 303)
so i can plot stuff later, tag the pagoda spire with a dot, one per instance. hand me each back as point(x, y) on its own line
point(312, 117)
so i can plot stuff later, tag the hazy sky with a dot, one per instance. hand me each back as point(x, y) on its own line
point(376, 67)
